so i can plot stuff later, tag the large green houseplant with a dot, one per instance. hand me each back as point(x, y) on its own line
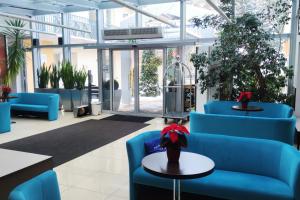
point(244, 58)
point(16, 51)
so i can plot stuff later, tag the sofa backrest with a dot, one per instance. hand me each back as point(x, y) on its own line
point(270, 110)
point(248, 155)
point(34, 98)
point(280, 129)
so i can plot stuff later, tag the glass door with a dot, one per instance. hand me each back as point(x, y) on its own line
point(151, 81)
point(123, 80)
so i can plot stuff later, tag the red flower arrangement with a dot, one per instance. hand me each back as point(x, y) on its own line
point(244, 98)
point(173, 137)
point(5, 90)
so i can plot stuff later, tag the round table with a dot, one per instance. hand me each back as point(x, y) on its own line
point(190, 166)
point(6, 99)
point(249, 108)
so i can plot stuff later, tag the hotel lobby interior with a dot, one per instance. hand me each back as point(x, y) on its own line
point(149, 100)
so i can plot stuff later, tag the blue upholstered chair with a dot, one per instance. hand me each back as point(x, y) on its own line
point(37, 102)
point(42, 187)
point(4, 117)
point(275, 122)
point(246, 168)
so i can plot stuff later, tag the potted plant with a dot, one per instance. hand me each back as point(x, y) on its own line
point(43, 76)
point(80, 95)
point(106, 95)
point(67, 77)
point(6, 90)
point(173, 138)
point(55, 76)
point(16, 51)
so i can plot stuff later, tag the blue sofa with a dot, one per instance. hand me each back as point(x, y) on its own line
point(4, 117)
point(36, 103)
point(246, 168)
point(275, 122)
point(42, 187)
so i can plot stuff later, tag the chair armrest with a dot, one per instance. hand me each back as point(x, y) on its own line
point(290, 169)
point(136, 150)
point(53, 107)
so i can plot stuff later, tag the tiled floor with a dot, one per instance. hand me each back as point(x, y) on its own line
point(98, 175)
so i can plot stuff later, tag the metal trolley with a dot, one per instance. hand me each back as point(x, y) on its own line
point(177, 96)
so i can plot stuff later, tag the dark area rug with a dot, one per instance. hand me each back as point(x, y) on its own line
point(128, 118)
point(72, 141)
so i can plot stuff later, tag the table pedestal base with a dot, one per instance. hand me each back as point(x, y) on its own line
point(176, 192)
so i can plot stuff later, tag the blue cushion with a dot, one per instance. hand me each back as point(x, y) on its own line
point(236, 185)
point(153, 146)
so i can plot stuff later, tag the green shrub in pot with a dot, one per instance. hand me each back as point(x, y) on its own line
point(55, 76)
point(67, 75)
point(43, 76)
point(80, 77)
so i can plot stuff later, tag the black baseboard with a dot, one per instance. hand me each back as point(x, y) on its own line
point(144, 192)
point(29, 114)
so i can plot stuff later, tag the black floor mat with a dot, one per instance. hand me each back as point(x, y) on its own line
point(70, 142)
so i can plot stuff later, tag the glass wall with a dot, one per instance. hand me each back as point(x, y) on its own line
point(87, 59)
point(29, 79)
point(86, 21)
point(119, 18)
point(46, 39)
point(166, 11)
point(195, 8)
point(51, 56)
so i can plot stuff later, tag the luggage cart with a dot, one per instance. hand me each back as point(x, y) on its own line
point(174, 92)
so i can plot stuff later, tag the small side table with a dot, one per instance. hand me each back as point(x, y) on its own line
point(6, 99)
point(190, 166)
point(249, 108)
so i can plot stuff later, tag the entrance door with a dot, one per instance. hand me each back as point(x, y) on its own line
point(123, 84)
point(151, 81)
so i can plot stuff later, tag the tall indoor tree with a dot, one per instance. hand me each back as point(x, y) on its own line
point(16, 51)
point(244, 56)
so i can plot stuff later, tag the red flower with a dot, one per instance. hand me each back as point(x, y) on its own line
point(173, 131)
point(244, 96)
point(173, 137)
point(6, 89)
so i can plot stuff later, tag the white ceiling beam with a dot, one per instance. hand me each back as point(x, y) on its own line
point(41, 22)
point(128, 5)
point(32, 5)
point(81, 3)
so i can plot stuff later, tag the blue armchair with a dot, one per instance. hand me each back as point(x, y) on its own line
point(4, 117)
point(246, 168)
point(42, 187)
point(37, 102)
point(275, 122)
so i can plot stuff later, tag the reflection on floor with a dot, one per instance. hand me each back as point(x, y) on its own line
point(147, 105)
point(99, 175)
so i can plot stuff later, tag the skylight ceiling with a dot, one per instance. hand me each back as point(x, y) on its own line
point(42, 7)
